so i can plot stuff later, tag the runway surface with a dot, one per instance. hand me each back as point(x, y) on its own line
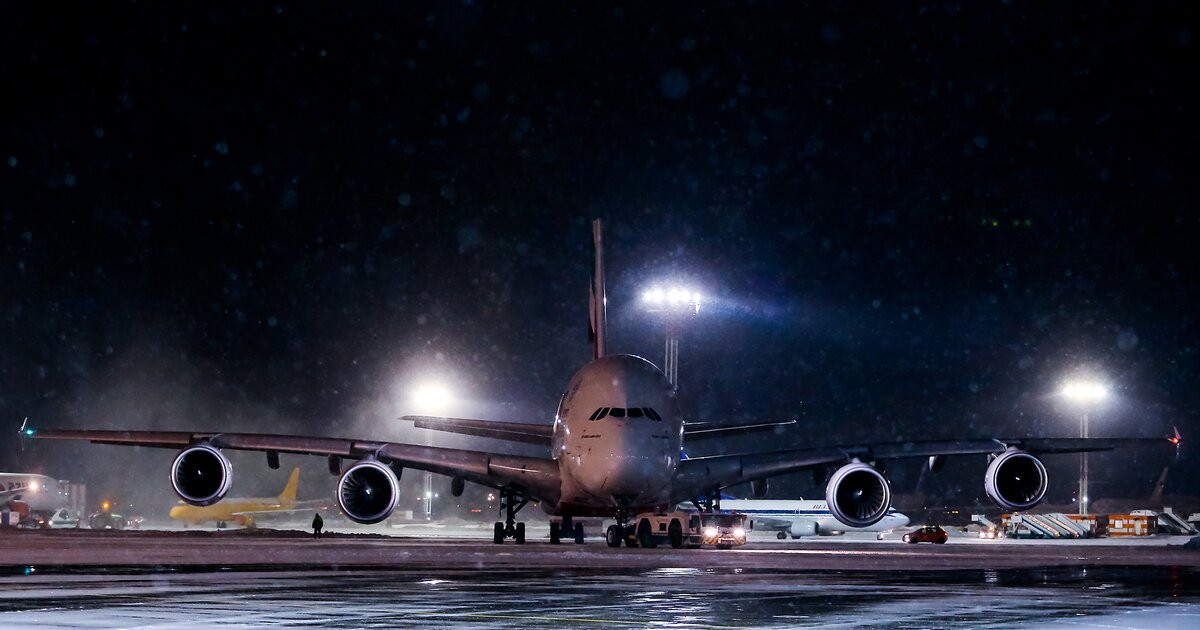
point(240, 578)
point(295, 548)
point(669, 597)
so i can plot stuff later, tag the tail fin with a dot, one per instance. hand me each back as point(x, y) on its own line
point(1156, 496)
point(597, 301)
point(289, 491)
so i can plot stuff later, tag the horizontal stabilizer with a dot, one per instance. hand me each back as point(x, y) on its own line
point(511, 431)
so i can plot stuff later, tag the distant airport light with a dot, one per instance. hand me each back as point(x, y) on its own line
point(1085, 391)
point(431, 397)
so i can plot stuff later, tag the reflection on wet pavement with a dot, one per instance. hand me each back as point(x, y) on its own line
point(674, 597)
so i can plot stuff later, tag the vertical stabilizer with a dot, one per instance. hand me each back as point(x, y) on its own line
point(288, 496)
point(1157, 494)
point(597, 301)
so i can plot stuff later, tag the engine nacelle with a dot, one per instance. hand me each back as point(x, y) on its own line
point(858, 495)
point(368, 491)
point(201, 475)
point(1015, 480)
point(803, 528)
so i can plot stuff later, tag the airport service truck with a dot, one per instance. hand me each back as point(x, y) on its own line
point(722, 530)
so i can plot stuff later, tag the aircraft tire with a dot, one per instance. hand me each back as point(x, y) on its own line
point(675, 534)
point(498, 533)
point(578, 533)
point(555, 532)
point(645, 538)
point(781, 535)
point(612, 536)
point(520, 534)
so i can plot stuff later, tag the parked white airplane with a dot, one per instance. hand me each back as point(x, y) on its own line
point(615, 445)
point(41, 493)
point(804, 518)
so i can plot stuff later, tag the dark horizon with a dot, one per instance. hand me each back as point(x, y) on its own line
point(909, 225)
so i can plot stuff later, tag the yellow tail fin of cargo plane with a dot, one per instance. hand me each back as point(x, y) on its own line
point(288, 496)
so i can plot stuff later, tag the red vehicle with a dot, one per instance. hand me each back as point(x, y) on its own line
point(927, 533)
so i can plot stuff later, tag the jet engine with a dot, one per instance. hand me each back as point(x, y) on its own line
point(803, 528)
point(201, 474)
point(367, 492)
point(858, 495)
point(1015, 480)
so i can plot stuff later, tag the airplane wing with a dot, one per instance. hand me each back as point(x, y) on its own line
point(512, 431)
point(698, 475)
point(537, 477)
point(699, 430)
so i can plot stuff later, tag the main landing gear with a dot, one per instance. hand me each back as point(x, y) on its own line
point(568, 527)
point(511, 502)
point(622, 530)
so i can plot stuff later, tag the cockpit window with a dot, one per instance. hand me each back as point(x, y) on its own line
point(620, 412)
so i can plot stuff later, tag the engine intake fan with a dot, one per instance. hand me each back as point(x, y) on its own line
point(368, 491)
point(1015, 480)
point(201, 475)
point(858, 495)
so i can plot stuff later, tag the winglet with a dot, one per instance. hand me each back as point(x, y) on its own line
point(25, 432)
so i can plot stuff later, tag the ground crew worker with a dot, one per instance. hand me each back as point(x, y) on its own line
point(317, 525)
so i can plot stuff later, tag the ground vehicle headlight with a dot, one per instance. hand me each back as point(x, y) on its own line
point(739, 532)
point(711, 532)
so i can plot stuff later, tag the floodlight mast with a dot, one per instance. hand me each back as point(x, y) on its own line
point(675, 304)
point(1085, 395)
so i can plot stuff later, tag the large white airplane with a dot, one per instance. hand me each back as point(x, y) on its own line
point(42, 494)
point(614, 451)
point(804, 518)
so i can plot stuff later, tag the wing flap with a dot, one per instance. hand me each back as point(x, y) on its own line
point(701, 430)
point(527, 433)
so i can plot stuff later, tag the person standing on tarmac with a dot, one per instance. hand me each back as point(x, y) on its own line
point(317, 524)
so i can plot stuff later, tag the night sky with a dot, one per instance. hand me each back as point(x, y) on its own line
point(911, 222)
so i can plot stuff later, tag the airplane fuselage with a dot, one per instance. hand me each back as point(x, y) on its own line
point(227, 510)
point(617, 438)
point(41, 493)
point(778, 511)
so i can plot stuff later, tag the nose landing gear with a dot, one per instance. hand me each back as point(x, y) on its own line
point(622, 531)
point(511, 502)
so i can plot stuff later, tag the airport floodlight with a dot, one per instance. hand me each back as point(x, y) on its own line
point(673, 299)
point(1085, 392)
point(431, 397)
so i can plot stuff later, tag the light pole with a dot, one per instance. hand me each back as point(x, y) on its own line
point(1085, 395)
point(674, 304)
point(429, 398)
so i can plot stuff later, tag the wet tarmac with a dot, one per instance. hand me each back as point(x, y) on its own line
point(1142, 597)
point(295, 548)
point(256, 578)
